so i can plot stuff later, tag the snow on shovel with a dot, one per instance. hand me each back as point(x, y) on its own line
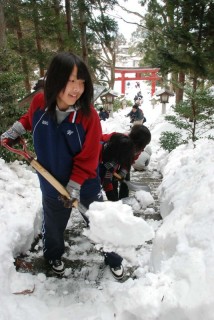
point(113, 225)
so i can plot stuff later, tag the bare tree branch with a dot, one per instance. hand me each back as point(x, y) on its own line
point(129, 22)
point(129, 11)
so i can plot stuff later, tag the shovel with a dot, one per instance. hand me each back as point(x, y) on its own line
point(133, 186)
point(39, 168)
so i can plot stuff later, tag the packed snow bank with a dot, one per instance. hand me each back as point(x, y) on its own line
point(183, 248)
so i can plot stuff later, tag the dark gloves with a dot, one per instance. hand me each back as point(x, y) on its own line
point(111, 195)
point(67, 203)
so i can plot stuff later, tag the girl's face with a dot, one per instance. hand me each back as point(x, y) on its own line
point(72, 92)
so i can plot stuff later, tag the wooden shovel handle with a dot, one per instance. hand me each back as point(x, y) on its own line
point(117, 176)
point(55, 183)
point(39, 168)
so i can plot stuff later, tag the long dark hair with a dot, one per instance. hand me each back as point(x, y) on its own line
point(140, 136)
point(58, 75)
point(119, 149)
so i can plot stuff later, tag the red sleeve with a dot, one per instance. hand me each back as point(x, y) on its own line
point(26, 119)
point(107, 136)
point(86, 162)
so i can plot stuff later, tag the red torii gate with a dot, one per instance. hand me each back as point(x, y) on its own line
point(140, 74)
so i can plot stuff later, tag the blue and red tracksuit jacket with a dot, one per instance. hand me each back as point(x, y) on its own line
point(69, 150)
point(107, 170)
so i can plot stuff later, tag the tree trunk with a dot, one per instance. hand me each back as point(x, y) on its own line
point(194, 110)
point(22, 54)
point(112, 67)
point(180, 90)
point(83, 38)
point(2, 28)
point(38, 40)
point(59, 34)
point(174, 81)
point(68, 16)
point(82, 25)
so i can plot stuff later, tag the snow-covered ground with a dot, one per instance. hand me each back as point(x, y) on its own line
point(175, 280)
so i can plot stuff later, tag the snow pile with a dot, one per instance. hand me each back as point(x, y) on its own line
point(110, 222)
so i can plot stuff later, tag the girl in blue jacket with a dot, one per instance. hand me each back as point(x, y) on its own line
point(66, 134)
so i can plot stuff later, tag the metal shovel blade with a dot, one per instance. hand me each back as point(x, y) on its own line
point(129, 200)
point(137, 186)
point(133, 186)
point(82, 209)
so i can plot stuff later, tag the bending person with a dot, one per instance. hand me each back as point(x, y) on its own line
point(119, 152)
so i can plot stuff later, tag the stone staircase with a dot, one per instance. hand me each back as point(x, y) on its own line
point(153, 179)
point(83, 261)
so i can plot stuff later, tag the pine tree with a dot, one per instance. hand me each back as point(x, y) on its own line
point(195, 115)
point(180, 38)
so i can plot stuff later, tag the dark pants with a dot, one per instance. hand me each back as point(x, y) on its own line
point(123, 191)
point(55, 219)
point(120, 189)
